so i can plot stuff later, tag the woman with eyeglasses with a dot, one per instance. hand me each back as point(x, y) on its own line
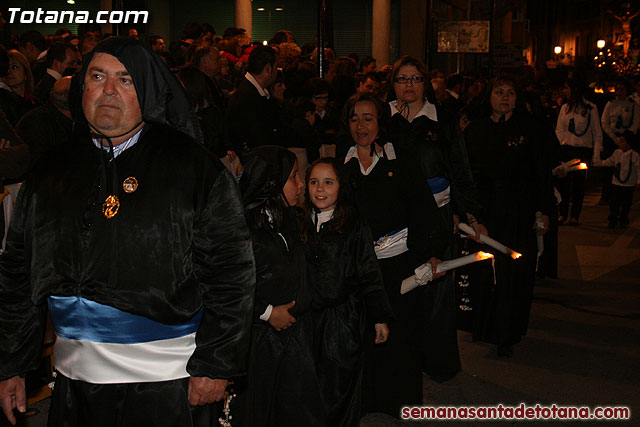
point(424, 133)
point(508, 163)
point(406, 231)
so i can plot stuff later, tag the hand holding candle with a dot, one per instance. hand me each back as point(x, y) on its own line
point(489, 241)
point(424, 273)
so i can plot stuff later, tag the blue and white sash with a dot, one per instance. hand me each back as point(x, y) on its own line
point(100, 344)
point(392, 244)
point(441, 189)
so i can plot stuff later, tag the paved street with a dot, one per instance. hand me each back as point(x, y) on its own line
point(583, 345)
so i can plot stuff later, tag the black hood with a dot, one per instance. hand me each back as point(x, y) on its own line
point(161, 96)
point(266, 170)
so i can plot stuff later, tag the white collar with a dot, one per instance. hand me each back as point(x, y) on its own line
point(53, 73)
point(322, 217)
point(353, 152)
point(118, 149)
point(254, 82)
point(428, 110)
point(3, 85)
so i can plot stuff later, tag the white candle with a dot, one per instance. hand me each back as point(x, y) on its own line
point(578, 167)
point(489, 241)
point(459, 262)
point(425, 274)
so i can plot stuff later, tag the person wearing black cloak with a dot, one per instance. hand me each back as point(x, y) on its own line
point(407, 233)
point(133, 236)
point(424, 132)
point(347, 289)
point(281, 388)
point(514, 181)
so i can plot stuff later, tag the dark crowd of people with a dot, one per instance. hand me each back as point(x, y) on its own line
point(219, 235)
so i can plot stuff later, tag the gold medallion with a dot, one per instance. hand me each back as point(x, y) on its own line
point(110, 207)
point(130, 184)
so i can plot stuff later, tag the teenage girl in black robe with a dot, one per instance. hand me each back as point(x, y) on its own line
point(281, 387)
point(347, 286)
point(398, 207)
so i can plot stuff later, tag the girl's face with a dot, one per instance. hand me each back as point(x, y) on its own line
point(503, 99)
point(363, 123)
point(409, 91)
point(17, 75)
point(323, 187)
point(293, 187)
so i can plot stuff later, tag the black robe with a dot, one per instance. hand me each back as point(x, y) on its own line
point(514, 181)
point(188, 242)
point(347, 289)
point(281, 387)
point(439, 151)
point(391, 198)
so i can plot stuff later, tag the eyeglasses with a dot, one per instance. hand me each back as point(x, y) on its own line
point(404, 80)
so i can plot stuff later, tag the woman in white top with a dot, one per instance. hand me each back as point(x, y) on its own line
point(578, 130)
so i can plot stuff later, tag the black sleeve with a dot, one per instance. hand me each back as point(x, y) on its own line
point(14, 160)
point(369, 275)
point(427, 235)
point(22, 321)
point(464, 193)
point(224, 265)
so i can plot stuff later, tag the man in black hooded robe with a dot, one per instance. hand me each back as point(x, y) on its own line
point(134, 238)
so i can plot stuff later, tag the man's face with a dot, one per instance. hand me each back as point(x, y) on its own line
point(369, 86)
point(369, 68)
point(159, 45)
point(89, 41)
point(211, 62)
point(133, 33)
point(71, 60)
point(109, 100)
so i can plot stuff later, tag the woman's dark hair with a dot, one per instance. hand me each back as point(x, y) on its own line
point(480, 107)
point(381, 114)
point(344, 211)
point(429, 93)
point(576, 99)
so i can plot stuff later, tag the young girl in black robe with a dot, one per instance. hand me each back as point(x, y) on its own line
point(347, 289)
point(281, 387)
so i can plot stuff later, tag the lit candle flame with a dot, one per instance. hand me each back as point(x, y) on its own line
point(582, 166)
point(515, 255)
point(485, 255)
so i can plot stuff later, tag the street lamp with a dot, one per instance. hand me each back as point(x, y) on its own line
point(557, 50)
point(600, 43)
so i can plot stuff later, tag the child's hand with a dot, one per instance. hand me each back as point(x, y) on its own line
point(382, 333)
point(280, 318)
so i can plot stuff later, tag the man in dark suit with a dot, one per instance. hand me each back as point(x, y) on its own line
point(453, 103)
point(49, 125)
point(59, 58)
point(252, 116)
